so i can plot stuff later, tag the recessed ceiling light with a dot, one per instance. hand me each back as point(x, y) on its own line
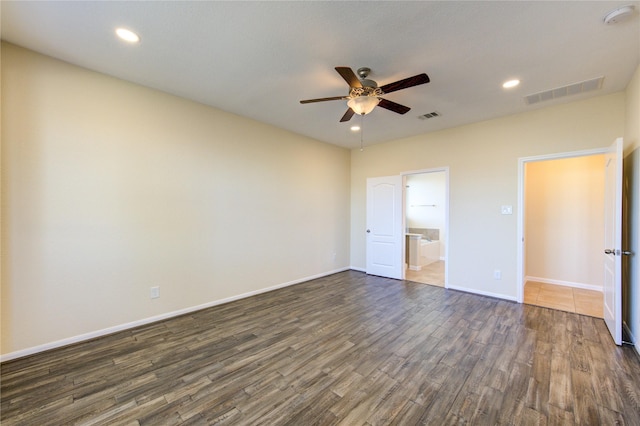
point(511, 83)
point(127, 35)
point(355, 128)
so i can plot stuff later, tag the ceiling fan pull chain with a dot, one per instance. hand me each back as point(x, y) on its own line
point(361, 131)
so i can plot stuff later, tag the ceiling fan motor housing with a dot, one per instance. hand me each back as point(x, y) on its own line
point(369, 83)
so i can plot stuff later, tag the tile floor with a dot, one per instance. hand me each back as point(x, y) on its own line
point(432, 274)
point(569, 299)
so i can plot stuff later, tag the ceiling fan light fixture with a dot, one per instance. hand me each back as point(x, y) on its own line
point(363, 105)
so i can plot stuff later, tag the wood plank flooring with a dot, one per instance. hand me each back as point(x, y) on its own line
point(348, 349)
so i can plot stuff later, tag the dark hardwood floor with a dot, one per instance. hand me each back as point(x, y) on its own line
point(346, 349)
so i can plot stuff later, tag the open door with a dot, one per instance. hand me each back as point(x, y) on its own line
point(613, 241)
point(385, 236)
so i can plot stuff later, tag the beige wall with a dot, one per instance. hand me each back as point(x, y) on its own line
point(483, 162)
point(564, 221)
point(109, 188)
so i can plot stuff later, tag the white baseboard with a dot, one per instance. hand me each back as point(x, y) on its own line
point(564, 283)
point(483, 293)
point(355, 268)
point(110, 330)
point(415, 268)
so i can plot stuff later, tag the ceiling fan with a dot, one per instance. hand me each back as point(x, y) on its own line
point(365, 95)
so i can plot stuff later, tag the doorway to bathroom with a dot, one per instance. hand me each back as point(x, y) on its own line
point(426, 218)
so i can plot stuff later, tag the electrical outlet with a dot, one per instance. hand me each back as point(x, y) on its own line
point(497, 274)
point(335, 256)
point(506, 210)
point(155, 292)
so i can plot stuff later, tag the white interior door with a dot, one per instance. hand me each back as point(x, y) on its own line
point(385, 236)
point(613, 241)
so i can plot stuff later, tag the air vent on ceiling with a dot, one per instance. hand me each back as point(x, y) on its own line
point(570, 89)
point(429, 115)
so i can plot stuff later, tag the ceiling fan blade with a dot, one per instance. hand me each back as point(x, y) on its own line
point(392, 106)
point(349, 76)
point(334, 98)
point(407, 82)
point(347, 115)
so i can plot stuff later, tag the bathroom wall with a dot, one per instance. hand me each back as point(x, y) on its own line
point(426, 206)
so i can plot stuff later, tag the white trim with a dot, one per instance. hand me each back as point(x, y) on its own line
point(560, 155)
point(444, 169)
point(483, 293)
point(520, 231)
point(110, 330)
point(415, 268)
point(564, 283)
point(355, 268)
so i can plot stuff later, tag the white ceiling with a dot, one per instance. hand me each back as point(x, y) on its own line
point(259, 59)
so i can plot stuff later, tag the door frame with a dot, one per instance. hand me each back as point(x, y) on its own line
point(404, 175)
point(522, 161)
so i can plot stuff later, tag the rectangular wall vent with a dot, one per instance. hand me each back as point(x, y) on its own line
point(559, 92)
point(429, 115)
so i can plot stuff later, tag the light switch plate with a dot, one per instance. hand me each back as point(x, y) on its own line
point(506, 210)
